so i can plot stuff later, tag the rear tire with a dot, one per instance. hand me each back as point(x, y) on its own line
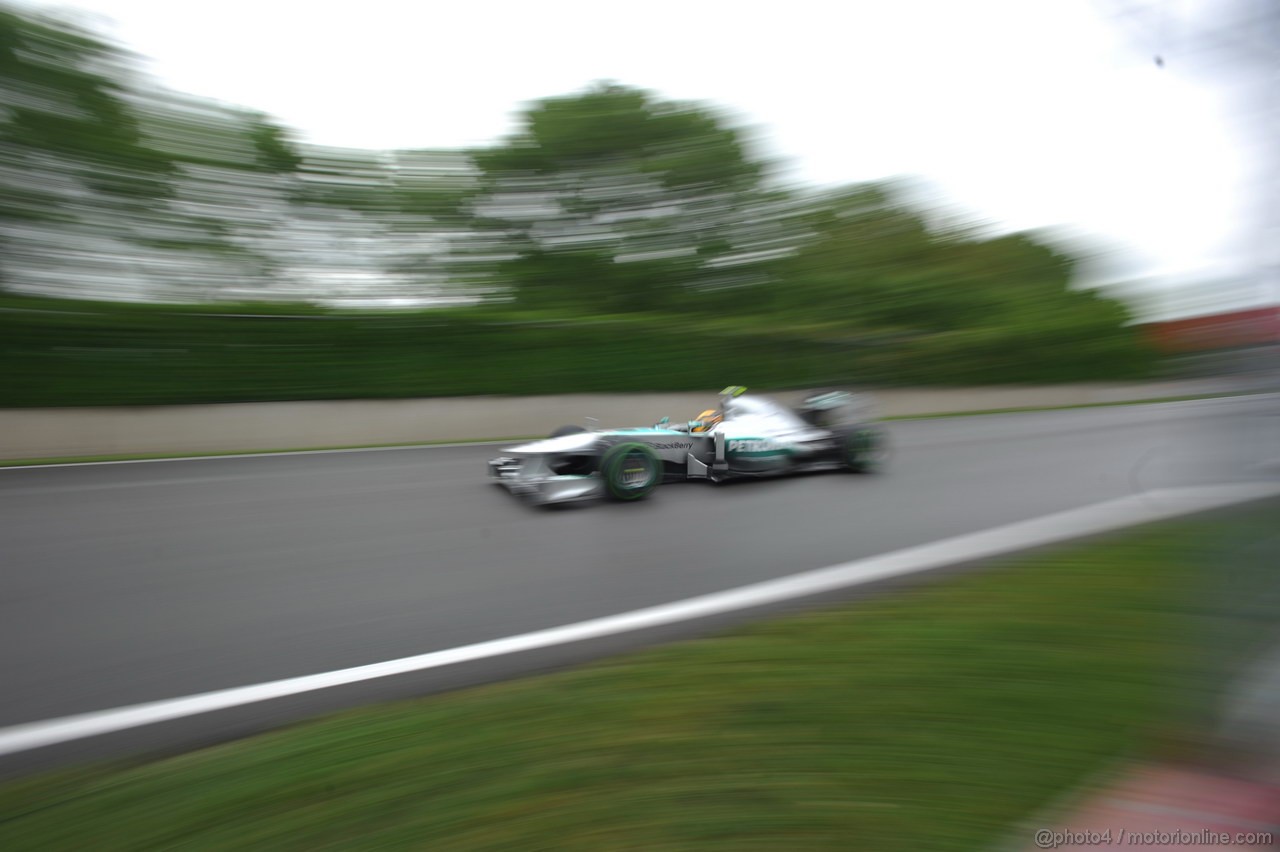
point(630, 471)
point(864, 449)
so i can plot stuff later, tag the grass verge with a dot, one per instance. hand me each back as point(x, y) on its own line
point(931, 719)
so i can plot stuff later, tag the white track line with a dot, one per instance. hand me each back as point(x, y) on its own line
point(267, 454)
point(1088, 520)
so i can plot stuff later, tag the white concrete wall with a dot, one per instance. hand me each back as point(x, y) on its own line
point(54, 433)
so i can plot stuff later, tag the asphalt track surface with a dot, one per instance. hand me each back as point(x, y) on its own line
point(126, 583)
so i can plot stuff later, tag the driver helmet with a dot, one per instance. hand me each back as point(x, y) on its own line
point(707, 420)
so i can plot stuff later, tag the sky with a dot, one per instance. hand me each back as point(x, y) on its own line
point(1023, 114)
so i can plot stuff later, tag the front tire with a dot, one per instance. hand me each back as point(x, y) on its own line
point(630, 471)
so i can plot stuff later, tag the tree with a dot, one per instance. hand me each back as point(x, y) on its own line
point(274, 151)
point(947, 304)
point(613, 200)
point(868, 261)
point(71, 151)
point(65, 91)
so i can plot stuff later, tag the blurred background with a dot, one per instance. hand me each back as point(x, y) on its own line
point(248, 201)
point(272, 203)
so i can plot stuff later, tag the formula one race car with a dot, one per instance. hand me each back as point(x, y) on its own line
point(748, 436)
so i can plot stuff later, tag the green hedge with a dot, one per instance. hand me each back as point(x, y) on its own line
point(66, 353)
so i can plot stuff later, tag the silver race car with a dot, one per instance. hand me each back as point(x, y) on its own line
point(747, 436)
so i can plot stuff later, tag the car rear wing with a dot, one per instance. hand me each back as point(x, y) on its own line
point(836, 407)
